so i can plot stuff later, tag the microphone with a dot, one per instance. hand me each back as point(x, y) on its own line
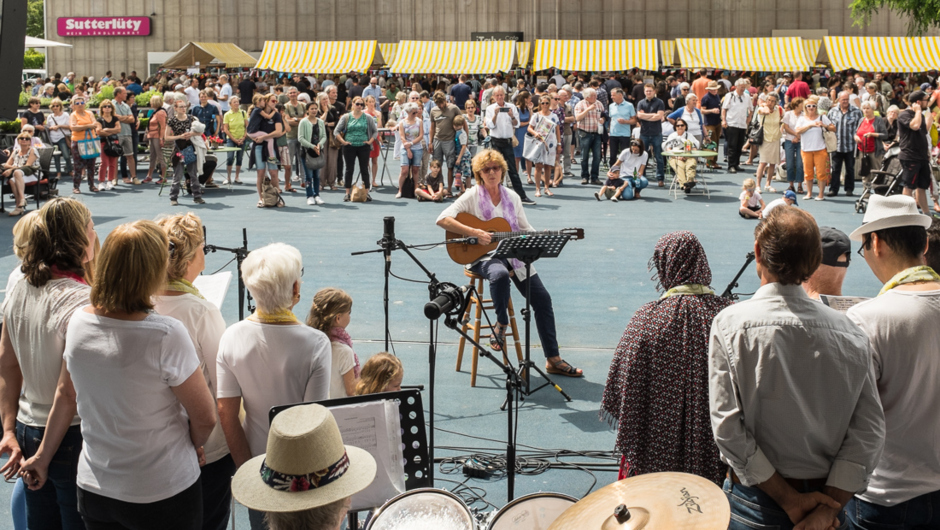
point(388, 237)
point(451, 296)
point(464, 240)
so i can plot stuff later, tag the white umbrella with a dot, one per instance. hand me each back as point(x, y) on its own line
point(33, 42)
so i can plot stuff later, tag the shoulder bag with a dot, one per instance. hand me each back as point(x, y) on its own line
point(89, 147)
point(312, 160)
point(832, 141)
point(756, 136)
point(112, 147)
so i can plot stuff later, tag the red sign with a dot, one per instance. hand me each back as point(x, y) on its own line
point(103, 26)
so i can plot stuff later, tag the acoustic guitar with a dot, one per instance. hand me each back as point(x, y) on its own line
point(499, 229)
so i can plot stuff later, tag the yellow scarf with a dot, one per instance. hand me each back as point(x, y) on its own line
point(282, 316)
point(691, 288)
point(183, 286)
point(921, 273)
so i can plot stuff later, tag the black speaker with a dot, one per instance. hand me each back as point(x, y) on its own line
point(12, 46)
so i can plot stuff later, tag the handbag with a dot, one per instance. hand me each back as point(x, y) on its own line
point(270, 197)
point(314, 163)
point(756, 136)
point(515, 141)
point(408, 188)
point(188, 154)
point(111, 147)
point(89, 147)
point(832, 141)
point(359, 193)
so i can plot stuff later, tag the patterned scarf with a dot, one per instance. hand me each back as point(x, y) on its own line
point(657, 387)
point(340, 335)
point(485, 202)
point(921, 273)
point(68, 274)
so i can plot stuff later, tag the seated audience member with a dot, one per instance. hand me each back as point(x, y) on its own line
point(330, 313)
point(657, 387)
point(40, 301)
point(133, 377)
point(270, 358)
point(794, 406)
point(306, 477)
point(836, 255)
point(627, 172)
point(383, 372)
point(752, 203)
point(901, 324)
point(203, 320)
point(788, 199)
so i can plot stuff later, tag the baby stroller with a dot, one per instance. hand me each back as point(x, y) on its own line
point(885, 182)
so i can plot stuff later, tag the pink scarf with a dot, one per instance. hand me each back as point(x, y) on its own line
point(509, 212)
point(340, 335)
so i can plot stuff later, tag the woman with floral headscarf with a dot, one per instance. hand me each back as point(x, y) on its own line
point(657, 387)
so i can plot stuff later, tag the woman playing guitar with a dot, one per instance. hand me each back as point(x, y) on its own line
point(487, 200)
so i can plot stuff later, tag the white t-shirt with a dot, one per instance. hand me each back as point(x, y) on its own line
point(344, 360)
point(136, 432)
point(630, 162)
point(192, 94)
point(812, 139)
point(15, 275)
point(269, 365)
point(37, 319)
point(205, 325)
point(738, 108)
point(226, 90)
point(905, 343)
point(773, 204)
point(61, 119)
point(753, 201)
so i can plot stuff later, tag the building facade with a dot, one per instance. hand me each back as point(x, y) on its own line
point(248, 24)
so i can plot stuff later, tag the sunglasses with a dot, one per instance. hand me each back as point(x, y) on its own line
point(810, 106)
point(360, 104)
point(78, 103)
point(56, 106)
point(545, 103)
point(491, 169)
point(680, 125)
point(106, 107)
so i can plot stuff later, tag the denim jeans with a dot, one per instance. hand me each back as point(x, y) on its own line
point(182, 511)
point(63, 145)
point(918, 513)
point(637, 184)
point(751, 508)
point(838, 159)
point(312, 181)
point(794, 161)
point(234, 156)
point(55, 505)
point(590, 147)
point(496, 271)
point(656, 144)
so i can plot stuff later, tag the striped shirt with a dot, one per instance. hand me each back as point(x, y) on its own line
point(846, 125)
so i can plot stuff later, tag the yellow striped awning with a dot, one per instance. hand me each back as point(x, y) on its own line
point(523, 53)
point(596, 55)
point(774, 54)
point(319, 57)
point(668, 52)
point(388, 51)
point(453, 57)
point(883, 54)
point(811, 49)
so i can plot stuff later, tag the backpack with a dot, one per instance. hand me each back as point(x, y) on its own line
point(270, 198)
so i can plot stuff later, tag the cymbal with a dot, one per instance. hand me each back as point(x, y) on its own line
point(658, 501)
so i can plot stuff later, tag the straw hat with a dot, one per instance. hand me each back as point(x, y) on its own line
point(890, 212)
point(306, 465)
point(712, 86)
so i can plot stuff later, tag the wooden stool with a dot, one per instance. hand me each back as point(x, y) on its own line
point(478, 304)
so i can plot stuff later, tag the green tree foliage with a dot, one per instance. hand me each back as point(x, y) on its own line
point(922, 15)
point(33, 59)
point(34, 22)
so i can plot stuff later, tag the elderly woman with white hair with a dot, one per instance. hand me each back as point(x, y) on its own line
point(870, 136)
point(270, 358)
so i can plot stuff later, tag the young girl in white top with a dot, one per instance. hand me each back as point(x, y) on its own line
point(330, 313)
point(751, 201)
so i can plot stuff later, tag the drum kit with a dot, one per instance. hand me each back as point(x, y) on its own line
point(658, 501)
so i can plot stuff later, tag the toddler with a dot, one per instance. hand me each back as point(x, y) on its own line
point(751, 201)
point(270, 142)
point(383, 372)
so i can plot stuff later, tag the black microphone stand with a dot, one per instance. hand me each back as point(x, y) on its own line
point(240, 254)
point(734, 283)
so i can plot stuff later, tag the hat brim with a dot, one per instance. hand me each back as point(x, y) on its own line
point(911, 219)
point(252, 492)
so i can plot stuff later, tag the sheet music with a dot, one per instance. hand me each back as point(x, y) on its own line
point(376, 428)
point(841, 303)
point(214, 286)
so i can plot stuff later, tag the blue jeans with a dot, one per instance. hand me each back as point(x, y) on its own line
point(234, 156)
point(55, 505)
point(751, 509)
point(496, 271)
point(18, 505)
point(312, 180)
point(656, 144)
point(794, 161)
point(63, 145)
point(918, 513)
point(590, 146)
point(636, 185)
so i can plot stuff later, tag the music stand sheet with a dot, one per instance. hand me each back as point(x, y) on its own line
point(214, 287)
point(538, 246)
point(841, 303)
point(375, 426)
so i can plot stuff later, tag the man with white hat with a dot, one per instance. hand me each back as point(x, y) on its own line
point(307, 476)
point(901, 324)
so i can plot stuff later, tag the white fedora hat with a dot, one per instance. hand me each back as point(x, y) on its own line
point(890, 212)
point(306, 465)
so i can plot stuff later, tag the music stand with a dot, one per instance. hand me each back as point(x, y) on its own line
point(528, 249)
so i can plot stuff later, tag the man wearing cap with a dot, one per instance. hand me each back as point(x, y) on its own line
point(836, 255)
point(901, 324)
point(793, 402)
point(711, 109)
point(307, 476)
point(913, 138)
point(788, 199)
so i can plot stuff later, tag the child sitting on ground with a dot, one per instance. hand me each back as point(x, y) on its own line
point(383, 372)
point(631, 164)
point(433, 187)
point(330, 313)
point(751, 201)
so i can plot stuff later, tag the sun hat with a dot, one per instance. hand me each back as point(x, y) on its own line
point(790, 194)
point(835, 244)
point(712, 86)
point(306, 464)
point(890, 212)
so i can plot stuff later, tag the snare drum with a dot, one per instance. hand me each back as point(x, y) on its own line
point(532, 512)
point(423, 509)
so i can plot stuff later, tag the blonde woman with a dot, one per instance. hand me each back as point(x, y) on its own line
point(57, 124)
point(156, 130)
point(810, 128)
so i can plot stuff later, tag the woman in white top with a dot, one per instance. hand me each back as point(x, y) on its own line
point(692, 116)
point(542, 147)
point(36, 314)
point(684, 166)
point(203, 320)
point(270, 358)
point(21, 167)
point(810, 127)
point(134, 378)
point(791, 144)
point(60, 135)
point(411, 135)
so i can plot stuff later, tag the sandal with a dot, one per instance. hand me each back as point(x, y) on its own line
point(561, 367)
point(76, 191)
point(498, 338)
point(291, 190)
point(260, 204)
